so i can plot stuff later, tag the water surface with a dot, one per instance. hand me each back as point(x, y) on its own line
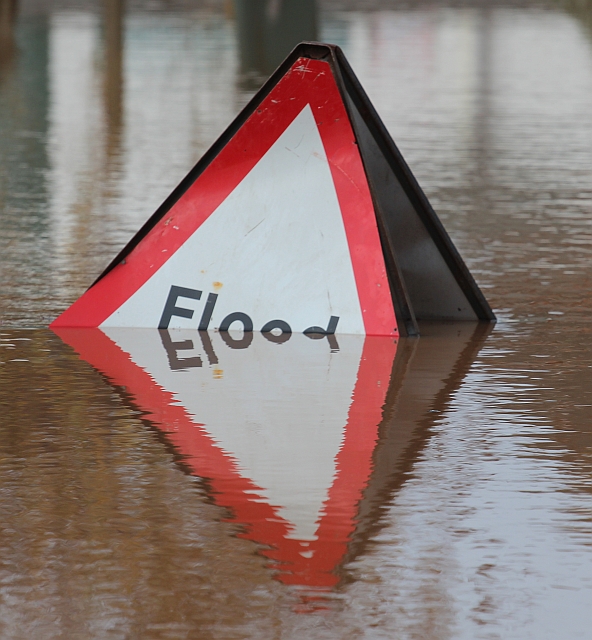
point(465, 511)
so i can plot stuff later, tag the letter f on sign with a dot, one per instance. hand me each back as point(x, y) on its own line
point(170, 308)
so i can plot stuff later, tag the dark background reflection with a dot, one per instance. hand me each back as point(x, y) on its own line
point(267, 31)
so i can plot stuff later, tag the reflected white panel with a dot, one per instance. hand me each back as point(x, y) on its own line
point(279, 410)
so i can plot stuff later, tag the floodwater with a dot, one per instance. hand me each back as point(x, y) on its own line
point(178, 485)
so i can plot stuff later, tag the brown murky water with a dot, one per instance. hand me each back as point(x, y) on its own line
point(165, 485)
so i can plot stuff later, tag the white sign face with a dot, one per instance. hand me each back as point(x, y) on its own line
point(279, 411)
point(275, 249)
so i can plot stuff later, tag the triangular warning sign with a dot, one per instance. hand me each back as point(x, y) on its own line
point(303, 217)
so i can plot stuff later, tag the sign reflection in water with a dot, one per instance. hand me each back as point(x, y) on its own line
point(301, 439)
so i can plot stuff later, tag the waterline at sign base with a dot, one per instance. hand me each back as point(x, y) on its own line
point(302, 218)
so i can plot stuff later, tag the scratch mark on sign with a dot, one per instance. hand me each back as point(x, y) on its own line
point(253, 228)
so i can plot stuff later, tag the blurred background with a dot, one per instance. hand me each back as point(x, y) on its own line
point(104, 106)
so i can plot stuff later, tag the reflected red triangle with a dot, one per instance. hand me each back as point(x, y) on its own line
point(315, 565)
